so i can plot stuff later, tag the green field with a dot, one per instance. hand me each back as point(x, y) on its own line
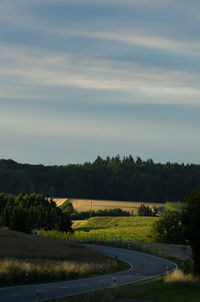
point(175, 206)
point(116, 228)
point(154, 290)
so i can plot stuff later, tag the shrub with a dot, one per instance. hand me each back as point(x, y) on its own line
point(169, 228)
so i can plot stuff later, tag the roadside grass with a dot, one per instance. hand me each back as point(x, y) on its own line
point(181, 277)
point(154, 290)
point(17, 271)
point(47, 259)
point(159, 290)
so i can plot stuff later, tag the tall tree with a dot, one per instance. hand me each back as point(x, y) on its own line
point(191, 221)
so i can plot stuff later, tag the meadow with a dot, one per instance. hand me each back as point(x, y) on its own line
point(134, 231)
point(47, 259)
point(134, 228)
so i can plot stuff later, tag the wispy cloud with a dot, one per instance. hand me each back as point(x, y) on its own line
point(27, 67)
point(134, 57)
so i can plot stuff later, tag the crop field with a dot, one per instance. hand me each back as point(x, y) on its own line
point(134, 228)
point(82, 205)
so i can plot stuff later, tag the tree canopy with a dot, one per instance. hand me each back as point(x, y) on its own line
point(169, 228)
point(27, 212)
point(111, 178)
point(191, 222)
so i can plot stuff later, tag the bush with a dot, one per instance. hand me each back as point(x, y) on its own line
point(100, 213)
point(146, 211)
point(169, 228)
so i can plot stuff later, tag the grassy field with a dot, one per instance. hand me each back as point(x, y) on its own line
point(46, 259)
point(118, 231)
point(175, 206)
point(82, 205)
point(116, 228)
point(155, 290)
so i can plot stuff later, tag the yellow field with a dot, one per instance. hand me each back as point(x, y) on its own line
point(82, 205)
point(59, 201)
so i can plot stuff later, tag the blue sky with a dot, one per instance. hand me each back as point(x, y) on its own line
point(83, 78)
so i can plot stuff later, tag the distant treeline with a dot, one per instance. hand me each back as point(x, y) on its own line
point(110, 178)
point(27, 212)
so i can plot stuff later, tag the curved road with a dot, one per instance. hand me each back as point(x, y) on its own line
point(142, 267)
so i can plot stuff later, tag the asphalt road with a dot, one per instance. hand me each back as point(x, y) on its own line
point(143, 267)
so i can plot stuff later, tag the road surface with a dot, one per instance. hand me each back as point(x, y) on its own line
point(142, 267)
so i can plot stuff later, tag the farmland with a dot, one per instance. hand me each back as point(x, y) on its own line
point(82, 205)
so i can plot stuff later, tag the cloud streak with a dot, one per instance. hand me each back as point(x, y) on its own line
point(109, 72)
point(34, 67)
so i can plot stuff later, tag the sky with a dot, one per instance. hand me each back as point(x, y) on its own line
point(87, 78)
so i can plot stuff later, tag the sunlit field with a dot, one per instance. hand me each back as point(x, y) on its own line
point(135, 228)
point(117, 228)
point(81, 205)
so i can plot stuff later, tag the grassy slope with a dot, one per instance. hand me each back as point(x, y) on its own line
point(47, 259)
point(117, 228)
point(129, 229)
point(23, 246)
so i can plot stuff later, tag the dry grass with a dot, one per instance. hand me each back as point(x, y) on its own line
point(24, 246)
point(179, 276)
point(82, 205)
point(13, 271)
point(171, 250)
point(46, 259)
point(59, 201)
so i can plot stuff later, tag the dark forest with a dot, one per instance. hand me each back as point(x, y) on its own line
point(111, 178)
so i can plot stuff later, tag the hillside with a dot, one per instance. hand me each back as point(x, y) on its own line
point(23, 246)
point(104, 179)
point(30, 259)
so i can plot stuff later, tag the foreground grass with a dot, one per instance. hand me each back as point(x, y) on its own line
point(14, 271)
point(47, 259)
point(155, 290)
